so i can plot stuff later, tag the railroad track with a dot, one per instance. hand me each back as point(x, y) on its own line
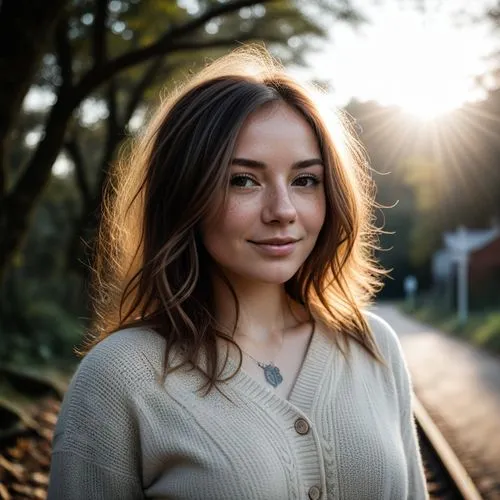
point(446, 477)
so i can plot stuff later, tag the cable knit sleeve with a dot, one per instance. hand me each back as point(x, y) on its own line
point(417, 487)
point(96, 449)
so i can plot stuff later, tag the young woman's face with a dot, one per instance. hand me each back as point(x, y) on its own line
point(276, 204)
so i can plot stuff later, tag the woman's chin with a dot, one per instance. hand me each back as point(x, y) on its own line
point(271, 278)
point(274, 273)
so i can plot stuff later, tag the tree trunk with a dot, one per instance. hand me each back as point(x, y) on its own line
point(26, 26)
point(16, 206)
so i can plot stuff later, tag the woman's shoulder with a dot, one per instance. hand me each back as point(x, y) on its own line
point(103, 398)
point(127, 356)
point(384, 335)
point(128, 342)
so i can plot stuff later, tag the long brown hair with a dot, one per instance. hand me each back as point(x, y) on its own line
point(150, 267)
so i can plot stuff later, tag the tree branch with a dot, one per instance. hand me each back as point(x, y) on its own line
point(63, 50)
point(219, 10)
point(146, 81)
point(75, 153)
point(46, 152)
point(222, 42)
point(99, 48)
point(165, 43)
point(38, 169)
point(26, 26)
point(112, 108)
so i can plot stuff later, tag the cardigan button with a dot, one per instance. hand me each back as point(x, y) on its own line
point(301, 426)
point(314, 493)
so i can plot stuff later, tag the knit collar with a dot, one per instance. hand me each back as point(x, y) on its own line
point(305, 388)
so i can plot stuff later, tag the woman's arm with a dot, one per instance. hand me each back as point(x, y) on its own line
point(417, 486)
point(96, 448)
point(393, 352)
point(73, 477)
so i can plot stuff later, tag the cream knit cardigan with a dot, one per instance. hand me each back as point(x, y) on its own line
point(346, 432)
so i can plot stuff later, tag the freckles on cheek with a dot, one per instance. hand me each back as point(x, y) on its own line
point(237, 216)
point(317, 214)
point(316, 207)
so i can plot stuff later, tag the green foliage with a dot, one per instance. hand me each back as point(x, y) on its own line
point(53, 329)
point(481, 329)
point(488, 333)
point(48, 332)
point(41, 298)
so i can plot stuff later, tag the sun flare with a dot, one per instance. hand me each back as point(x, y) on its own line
point(428, 77)
point(427, 103)
point(423, 64)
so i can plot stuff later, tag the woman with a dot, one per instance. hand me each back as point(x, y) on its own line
point(231, 356)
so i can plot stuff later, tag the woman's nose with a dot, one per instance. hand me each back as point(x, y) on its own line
point(279, 207)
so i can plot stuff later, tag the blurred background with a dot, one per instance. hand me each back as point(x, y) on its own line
point(419, 79)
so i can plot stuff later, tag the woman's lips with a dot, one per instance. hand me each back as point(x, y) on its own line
point(275, 250)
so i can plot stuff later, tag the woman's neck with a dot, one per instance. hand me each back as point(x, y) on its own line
point(265, 311)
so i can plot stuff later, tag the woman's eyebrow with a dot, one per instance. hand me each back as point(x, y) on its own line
point(246, 162)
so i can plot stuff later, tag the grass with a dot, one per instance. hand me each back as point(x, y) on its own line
point(481, 329)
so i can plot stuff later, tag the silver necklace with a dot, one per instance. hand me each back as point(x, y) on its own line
point(271, 371)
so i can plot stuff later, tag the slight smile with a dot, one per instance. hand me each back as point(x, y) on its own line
point(276, 249)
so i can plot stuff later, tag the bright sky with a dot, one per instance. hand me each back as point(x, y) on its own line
point(424, 62)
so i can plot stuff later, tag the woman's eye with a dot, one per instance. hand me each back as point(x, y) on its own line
point(307, 181)
point(243, 181)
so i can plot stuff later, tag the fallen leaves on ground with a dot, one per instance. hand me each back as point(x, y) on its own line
point(24, 467)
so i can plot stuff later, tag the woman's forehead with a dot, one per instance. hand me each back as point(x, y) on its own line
point(279, 129)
